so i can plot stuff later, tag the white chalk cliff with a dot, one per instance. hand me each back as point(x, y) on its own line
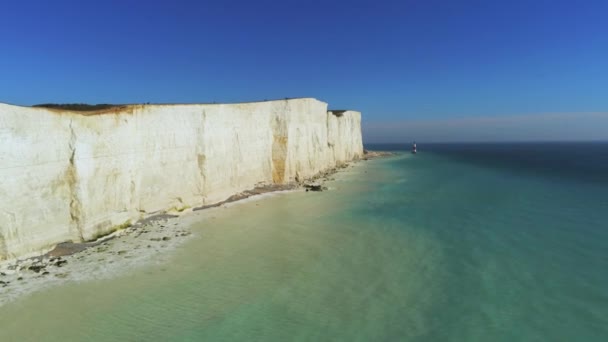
point(74, 176)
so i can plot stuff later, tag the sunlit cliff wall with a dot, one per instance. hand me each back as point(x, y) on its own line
point(69, 176)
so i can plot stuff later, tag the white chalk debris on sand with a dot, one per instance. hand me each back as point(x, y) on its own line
point(146, 243)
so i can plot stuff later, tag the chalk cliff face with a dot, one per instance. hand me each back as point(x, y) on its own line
point(66, 176)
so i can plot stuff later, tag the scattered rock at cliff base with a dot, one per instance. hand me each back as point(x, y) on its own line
point(248, 193)
point(69, 248)
point(313, 187)
point(367, 155)
point(36, 268)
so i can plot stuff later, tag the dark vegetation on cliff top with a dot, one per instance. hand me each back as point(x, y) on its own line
point(85, 107)
point(77, 106)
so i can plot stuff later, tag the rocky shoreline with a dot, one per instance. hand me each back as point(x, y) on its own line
point(367, 155)
point(137, 244)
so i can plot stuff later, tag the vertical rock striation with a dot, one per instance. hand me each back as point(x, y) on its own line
point(69, 176)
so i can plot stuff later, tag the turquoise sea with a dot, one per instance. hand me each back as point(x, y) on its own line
point(489, 242)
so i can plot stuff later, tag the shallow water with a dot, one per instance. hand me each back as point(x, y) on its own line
point(441, 246)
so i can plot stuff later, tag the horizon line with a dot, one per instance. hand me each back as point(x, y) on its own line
point(418, 142)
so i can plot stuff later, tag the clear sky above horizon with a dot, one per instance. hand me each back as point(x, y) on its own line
point(432, 65)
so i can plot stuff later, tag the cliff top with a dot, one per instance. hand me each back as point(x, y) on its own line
point(85, 107)
point(107, 108)
point(78, 107)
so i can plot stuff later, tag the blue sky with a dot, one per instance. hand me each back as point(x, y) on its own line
point(399, 62)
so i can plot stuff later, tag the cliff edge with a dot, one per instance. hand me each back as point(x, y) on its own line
point(68, 176)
